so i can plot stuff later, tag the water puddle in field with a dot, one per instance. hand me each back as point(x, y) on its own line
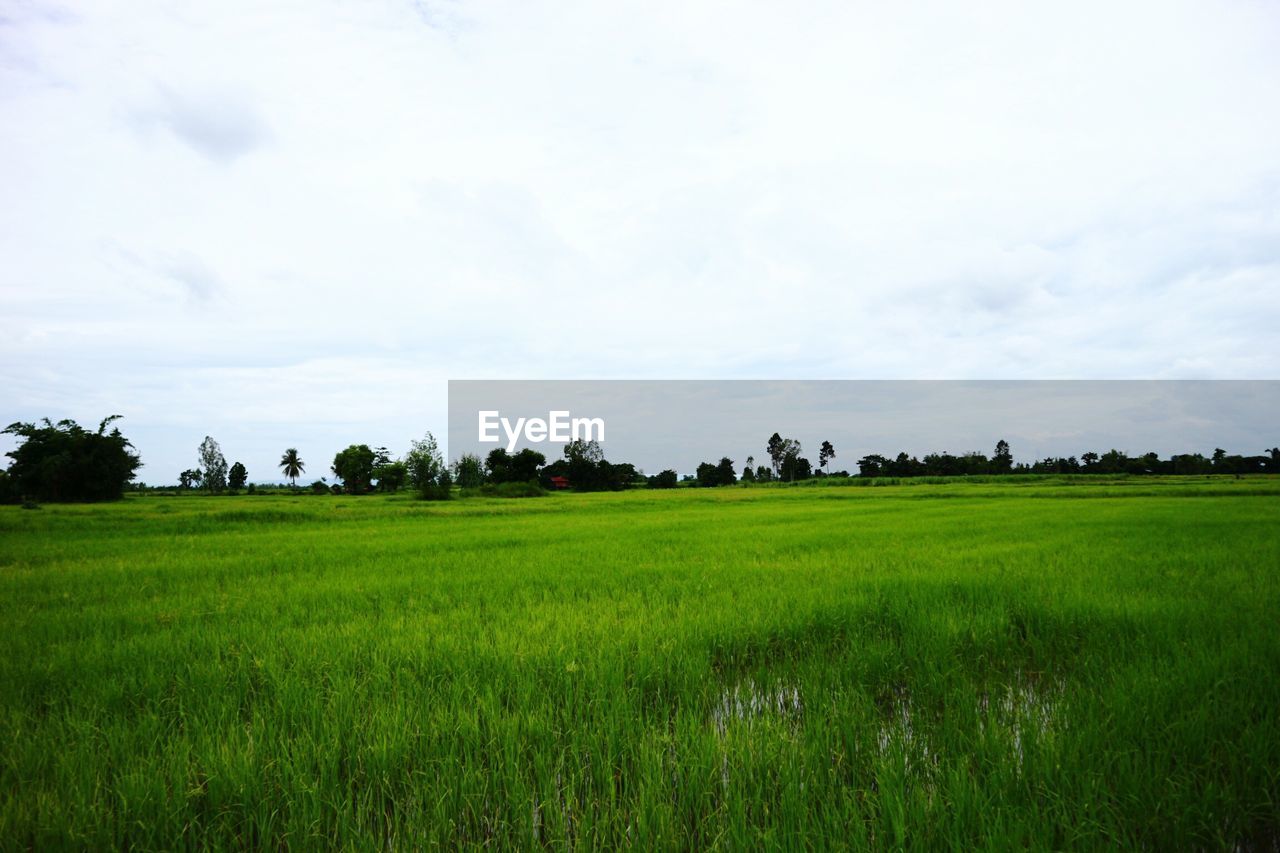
point(748, 701)
point(1028, 706)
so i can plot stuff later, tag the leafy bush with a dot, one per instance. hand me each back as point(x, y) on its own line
point(663, 480)
point(439, 489)
point(468, 470)
point(319, 487)
point(65, 462)
point(355, 467)
point(427, 471)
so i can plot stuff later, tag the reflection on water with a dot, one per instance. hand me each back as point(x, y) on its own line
point(748, 701)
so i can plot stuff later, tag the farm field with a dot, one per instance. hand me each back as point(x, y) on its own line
point(1040, 664)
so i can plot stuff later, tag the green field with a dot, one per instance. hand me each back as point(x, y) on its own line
point(1025, 664)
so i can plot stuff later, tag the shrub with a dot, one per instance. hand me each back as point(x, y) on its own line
point(319, 487)
point(440, 488)
point(664, 480)
point(505, 490)
point(65, 462)
point(427, 471)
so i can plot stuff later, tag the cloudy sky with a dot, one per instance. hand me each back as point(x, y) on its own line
point(289, 223)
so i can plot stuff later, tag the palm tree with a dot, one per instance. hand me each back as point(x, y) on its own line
point(292, 465)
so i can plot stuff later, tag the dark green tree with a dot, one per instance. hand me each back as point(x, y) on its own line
point(427, 472)
point(237, 476)
point(214, 465)
point(1002, 461)
point(390, 475)
point(873, 465)
point(354, 466)
point(825, 454)
point(468, 471)
point(776, 450)
point(65, 462)
point(292, 466)
point(779, 449)
point(663, 480)
point(795, 467)
point(523, 467)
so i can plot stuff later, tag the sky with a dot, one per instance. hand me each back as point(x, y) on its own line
point(659, 424)
point(289, 224)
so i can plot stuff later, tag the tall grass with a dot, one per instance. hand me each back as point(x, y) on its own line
point(694, 668)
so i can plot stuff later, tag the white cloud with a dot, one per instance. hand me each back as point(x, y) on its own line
point(216, 202)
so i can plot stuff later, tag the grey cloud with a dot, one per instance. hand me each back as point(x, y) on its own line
point(221, 125)
point(192, 275)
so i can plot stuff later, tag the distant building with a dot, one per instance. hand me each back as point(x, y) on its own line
point(559, 483)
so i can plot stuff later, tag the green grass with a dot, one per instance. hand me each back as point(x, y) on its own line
point(1052, 665)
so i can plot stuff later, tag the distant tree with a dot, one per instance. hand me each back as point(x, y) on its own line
point(498, 465)
point(873, 465)
point(525, 464)
point(717, 473)
point(237, 476)
point(468, 471)
point(663, 480)
point(779, 449)
point(1002, 461)
point(190, 478)
point(1089, 460)
point(390, 475)
point(795, 467)
point(1112, 462)
point(523, 467)
point(763, 474)
point(214, 465)
point(354, 466)
point(583, 469)
point(1219, 457)
point(427, 472)
point(65, 462)
point(1189, 463)
point(776, 448)
point(748, 476)
point(582, 450)
point(381, 456)
point(292, 466)
point(825, 454)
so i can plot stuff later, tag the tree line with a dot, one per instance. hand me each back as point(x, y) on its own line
point(65, 462)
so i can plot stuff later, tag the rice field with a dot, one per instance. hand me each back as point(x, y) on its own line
point(956, 665)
